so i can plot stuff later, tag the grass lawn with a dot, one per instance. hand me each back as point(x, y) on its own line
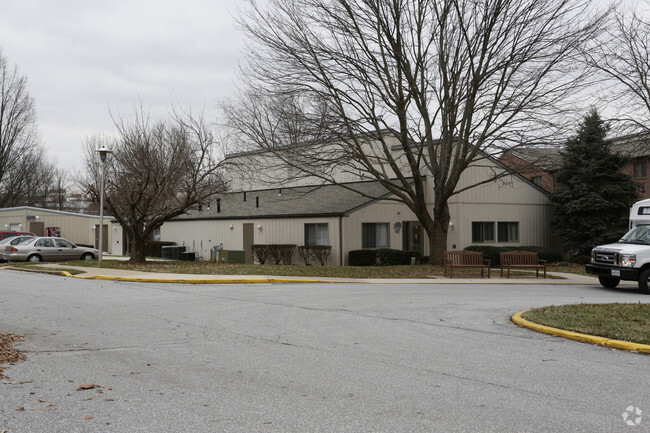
point(211, 268)
point(627, 322)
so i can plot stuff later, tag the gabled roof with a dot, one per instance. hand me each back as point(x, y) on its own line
point(546, 158)
point(52, 211)
point(305, 201)
point(633, 146)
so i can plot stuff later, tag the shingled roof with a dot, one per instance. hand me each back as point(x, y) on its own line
point(307, 201)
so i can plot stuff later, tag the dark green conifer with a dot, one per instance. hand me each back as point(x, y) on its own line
point(592, 195)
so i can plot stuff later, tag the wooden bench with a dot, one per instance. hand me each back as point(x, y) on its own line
point(522, 260)
point(465, 259)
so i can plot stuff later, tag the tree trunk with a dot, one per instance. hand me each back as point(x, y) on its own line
point(137, 251)
point(438, 233)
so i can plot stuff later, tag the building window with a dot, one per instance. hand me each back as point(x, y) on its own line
point(155, 235)
point(374, 235)
point(482, 231)
point(537, 180)
point(640, 168)
point(508, 231)
point(316, 234)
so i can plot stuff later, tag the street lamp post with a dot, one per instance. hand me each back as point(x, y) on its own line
point(103, 153)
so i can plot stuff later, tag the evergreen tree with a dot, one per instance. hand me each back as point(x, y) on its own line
point(591, 192)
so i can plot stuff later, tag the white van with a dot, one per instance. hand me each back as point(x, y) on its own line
point(629, 258)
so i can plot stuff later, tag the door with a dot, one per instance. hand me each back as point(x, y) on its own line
point(38, 228)
point(413, 236)
point(65, 250)
point(46, 249)
point(104, 240)
point(249, 239)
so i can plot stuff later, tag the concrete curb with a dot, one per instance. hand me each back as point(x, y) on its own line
point(198, 281)
point(601, 341)
point(300, 280)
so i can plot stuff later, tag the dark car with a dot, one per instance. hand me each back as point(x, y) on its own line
point(10, 233)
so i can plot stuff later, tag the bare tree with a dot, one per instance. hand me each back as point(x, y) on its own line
point(158, 170)
point(19, 144)
point(622, 56)
point(59, 190)
point(28, 181)
point(454, 81)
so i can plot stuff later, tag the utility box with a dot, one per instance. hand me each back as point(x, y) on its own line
point(173, 252)
point(234, 256)
point(189, 256)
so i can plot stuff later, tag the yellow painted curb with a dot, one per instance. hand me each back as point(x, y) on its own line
point(199, 281)
point(601, 341)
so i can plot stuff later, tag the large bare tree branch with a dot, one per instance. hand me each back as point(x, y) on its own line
point(453, 81)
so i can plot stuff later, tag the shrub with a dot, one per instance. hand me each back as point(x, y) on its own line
point(321, 253)
point(304, 252)
point(362, 257)
point(409, 254)
point(261, 253)
point(275, 253)
point(286, 253)
point(154, 248)
point(389, 257)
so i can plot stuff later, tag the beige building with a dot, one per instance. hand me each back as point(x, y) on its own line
point(78, 228)
point(511, 211)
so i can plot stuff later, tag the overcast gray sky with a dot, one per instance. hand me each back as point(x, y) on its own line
point(83, 58)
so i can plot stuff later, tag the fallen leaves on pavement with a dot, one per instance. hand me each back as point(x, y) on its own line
point(8, 354)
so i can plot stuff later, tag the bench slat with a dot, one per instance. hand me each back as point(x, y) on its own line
point(465, 259)
point(522, 260)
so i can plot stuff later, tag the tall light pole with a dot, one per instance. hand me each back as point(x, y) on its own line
point(103, 153)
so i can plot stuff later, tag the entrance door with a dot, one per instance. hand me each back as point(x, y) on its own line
point(249, 239)
point(413, 233)
point(38, 228)
point(105, 237)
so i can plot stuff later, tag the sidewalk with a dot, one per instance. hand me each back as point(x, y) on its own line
point(139, 276)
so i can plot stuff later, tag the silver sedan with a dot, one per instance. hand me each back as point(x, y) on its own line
point(49, 249)
point(14, 240)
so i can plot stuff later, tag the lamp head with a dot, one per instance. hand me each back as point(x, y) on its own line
point(103, 152)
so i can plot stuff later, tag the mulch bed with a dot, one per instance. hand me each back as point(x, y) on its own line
point(8, 354)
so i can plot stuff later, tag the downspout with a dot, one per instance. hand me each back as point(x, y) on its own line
point(341, 239)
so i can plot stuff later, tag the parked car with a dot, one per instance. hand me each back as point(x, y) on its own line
point(48, 249)
point(10, 233)
point(14, 240)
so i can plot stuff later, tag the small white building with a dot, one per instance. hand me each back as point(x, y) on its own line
point(79, 228)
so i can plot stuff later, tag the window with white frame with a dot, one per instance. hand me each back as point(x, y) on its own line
point(508, 231)
point(316, 234)
point(375, 235)
point(482, 231)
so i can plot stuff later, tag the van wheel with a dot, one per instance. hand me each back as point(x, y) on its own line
point(609, 282)
point(644, 281)
point(35, 258)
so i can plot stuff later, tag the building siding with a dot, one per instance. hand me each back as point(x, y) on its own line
point(77, 228)
point(202, 235)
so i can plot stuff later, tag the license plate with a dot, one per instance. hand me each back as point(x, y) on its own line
point(616, 273)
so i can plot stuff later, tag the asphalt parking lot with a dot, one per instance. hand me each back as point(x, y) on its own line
point(300, 357)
